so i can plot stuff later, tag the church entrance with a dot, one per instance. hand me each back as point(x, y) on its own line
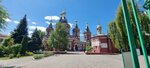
point(76, 48)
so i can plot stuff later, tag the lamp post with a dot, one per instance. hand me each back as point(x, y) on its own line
point(131, 40)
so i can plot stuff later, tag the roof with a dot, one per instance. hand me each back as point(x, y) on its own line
point(87, 28)
point(63, 20)
point(50, 25)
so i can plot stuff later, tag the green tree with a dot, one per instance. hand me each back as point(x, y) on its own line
point(145, 26)
point(35, 42)
point(3, 16)
point(114, 35)
point(58, 38)
point(8, 41)
point(16, 49)
point(42, 34)
point(52, 40)
point(24, 44)
point(1, 51)
point(21, 31)
point(117, 30)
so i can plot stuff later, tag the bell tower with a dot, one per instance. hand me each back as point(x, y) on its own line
point(87, 34)
point(64, 21)
point(49, 29)
point(76, 31)
point(99, 29)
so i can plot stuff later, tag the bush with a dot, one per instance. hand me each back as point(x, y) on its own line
point(16, 49)
point(8, 41)
point(38, 56)
point(18, 55)
point(88, 48)
point(24, 44)
point(29, 53)
point(38, 52)
point(1, 51)
point(7, 50)
point(11, 56)
point(48, 53)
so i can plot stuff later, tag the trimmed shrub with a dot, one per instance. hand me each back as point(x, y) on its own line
point(16, 49)
point(8, 41)
point(1, 51)
point(7, 50)
point(38, 52)
point(29, 53)
point(48, 53)
point(11, 56)
point(18, 55)
point(38, 56)
point(88, 48)
point(24, 44)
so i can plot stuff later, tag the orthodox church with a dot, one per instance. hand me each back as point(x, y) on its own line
point(100, 42)
point(75, 44)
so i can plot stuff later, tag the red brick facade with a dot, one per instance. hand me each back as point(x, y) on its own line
point(102, 44)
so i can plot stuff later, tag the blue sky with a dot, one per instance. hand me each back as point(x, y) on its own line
point(83, 11)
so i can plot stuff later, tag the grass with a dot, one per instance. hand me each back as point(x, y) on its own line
point(7, 58)
point(38, 56)
point(46, 54)
point(4, 58)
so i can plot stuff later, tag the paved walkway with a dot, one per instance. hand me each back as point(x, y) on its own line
point(71, 60)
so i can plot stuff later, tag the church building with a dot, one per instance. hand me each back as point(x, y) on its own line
point(75, 44)
point(101, 43)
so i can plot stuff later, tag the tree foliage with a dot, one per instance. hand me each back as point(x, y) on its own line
point(8, 41)
point(114, 35)
point(117, 30)
point(35, 41)
point(3, 16)
point(24, 44)
point(42, 34)
point(58, 38)
point(16, 49)
point(21, 31)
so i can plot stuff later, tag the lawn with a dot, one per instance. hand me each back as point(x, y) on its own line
point(7, 58)
point(4, 58)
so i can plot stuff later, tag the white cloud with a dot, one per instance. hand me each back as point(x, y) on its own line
point(71, 25)
point(51, 18)
point(81, 34)
point(30, 33)
point(34, 23)
point(38, 27)
point(28, 19)
point(47, 22)
point(16, 22)
point(7, 20)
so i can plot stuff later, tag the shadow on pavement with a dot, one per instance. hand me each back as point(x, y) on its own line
point(9, 66)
